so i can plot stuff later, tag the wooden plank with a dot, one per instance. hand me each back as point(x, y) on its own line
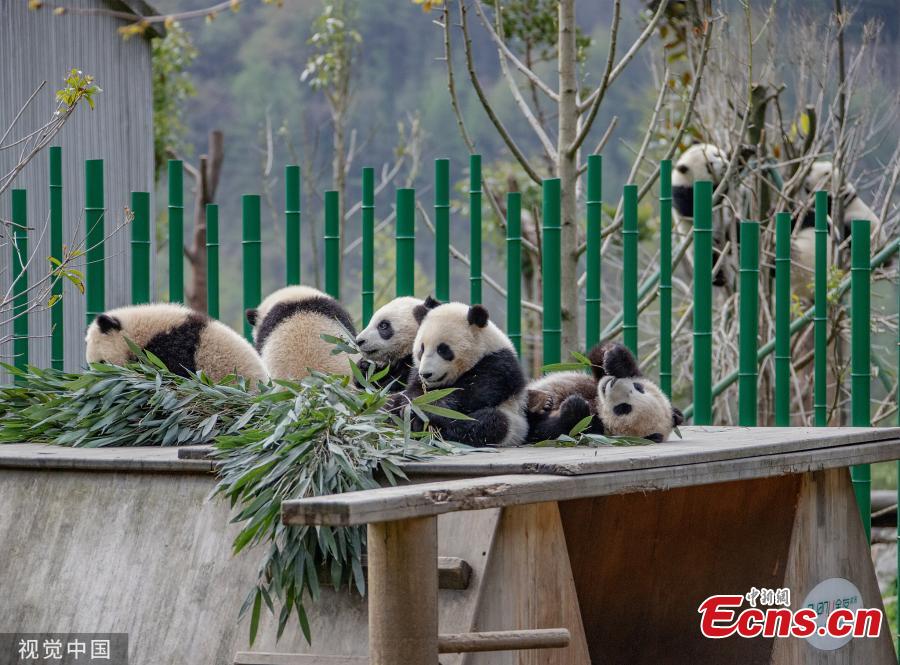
point(137, 459)
point(529, 585)
point(453, 573)
point(435, 498)
point(403, 592)
point(828, 541)
point(700, 445)
point(643, 563)
point(504, 640)
point(251, 658)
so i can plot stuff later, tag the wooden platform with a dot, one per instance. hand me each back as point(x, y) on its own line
point(625, 543)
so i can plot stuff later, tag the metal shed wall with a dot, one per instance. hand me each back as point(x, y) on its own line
point(36, 46)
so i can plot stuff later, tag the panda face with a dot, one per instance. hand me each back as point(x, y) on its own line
point(452, 338)
point(819, 177)
point(391, 332)
point(635, 407)
point(703, 161)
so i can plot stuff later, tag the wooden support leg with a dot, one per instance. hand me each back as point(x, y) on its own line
point(403, 592)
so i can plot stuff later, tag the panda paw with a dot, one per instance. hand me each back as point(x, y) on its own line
point(574, 409)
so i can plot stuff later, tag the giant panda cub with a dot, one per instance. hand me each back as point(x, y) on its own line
point(185, 341)
point(702, 161)
point(288, 327)
point(622, 402)
point(388, 340)
point(803, 244)
point(457, 346)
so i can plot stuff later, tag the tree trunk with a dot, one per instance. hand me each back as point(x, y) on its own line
point(207, 183)
point(339, 170)
point(567, 171)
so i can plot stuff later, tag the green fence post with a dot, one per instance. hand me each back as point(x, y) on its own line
point(783, 319)
point(703, 302)
point(252, 250)
point(514, 269)
point(140, 248)
point(95, 269)
point(406, 241)
point(292, 223)
point(175, 171)
point(629, 269)
point(368, 244)
point(550, 267)
point(665, 276)
point(820, 318)
point(19, 276)
point(593, 296)
point(212, 260)
point(332, 244)
point(860, 360)
point(749, 322)
point(57, 326)
point(442, 229)
point(475, 229)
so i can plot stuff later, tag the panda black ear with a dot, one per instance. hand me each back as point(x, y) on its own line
point(431, 303)
point(106, 323)
point(419, 312)
point(252, 315)
point(478, 316)
point(677, 417)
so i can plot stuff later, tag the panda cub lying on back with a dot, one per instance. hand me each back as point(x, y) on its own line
point(622, 403)
point(456, 346)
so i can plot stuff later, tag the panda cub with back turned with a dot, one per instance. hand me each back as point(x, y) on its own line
point(288, 327)
point(388, 340)
point(457, 346)
point(621, 401)
point(184, 340)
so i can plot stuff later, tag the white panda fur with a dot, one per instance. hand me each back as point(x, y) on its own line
point(702, 161)
point(803, 243)
point(388, 339)
point(183, 339)
point(458, 346)
point(287, 331)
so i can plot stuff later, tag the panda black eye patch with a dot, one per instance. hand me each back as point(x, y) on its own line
point(445, 352)
point(385, 330)
point(622, 409)
point(639, 387)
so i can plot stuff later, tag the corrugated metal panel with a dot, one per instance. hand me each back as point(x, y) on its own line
point(37, 46)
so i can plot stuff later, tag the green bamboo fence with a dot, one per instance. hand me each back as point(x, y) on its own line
point(550, 269)
point(292, 223)
point(514, 269)
point(368, 244)
point(333, 244)
point(175, 171)
point(406, 241)
point(95, 264)
point(630, 268)
point(783, 319)
point(665, 276)
point(593, 296)
point(703, 302)
point(57, 318)
point(442, 229)
point(475, 278)
point(860, 358)
point(140, 248)
point(749, 322)
point(820, 318)
point(212, 260)
point(252, 256)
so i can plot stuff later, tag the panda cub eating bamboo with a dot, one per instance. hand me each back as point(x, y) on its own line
point(456, 346)
point(621, 401)
point(184, 340)
point(388, 340)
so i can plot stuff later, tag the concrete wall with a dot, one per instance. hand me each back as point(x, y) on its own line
point(37, 46)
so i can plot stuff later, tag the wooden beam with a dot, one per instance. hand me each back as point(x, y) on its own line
point(264, 658)
point(403, 592)
point(453, 573)
point(394, 503)
point(504, 640)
